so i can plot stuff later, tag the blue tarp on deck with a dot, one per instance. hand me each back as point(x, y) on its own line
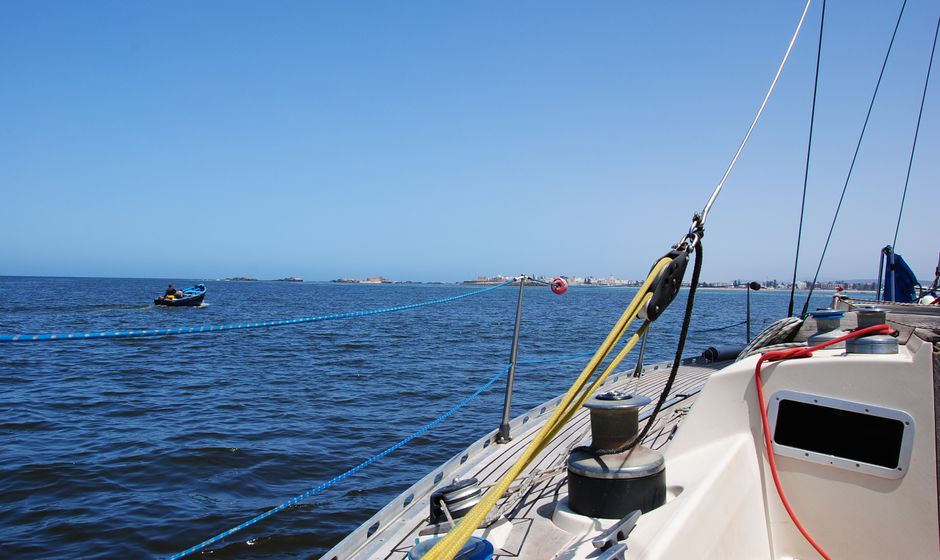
point(906, 291)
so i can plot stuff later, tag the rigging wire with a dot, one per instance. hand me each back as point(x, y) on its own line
point(920, 114)
point(760, 111)
point(809, 149)
point(858, 146)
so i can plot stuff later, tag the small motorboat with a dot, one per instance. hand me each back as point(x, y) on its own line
point(191, 297)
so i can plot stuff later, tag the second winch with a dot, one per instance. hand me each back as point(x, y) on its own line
point(612, 485)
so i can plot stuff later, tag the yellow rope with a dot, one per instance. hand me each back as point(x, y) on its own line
point(586, 394)
point(448, 547)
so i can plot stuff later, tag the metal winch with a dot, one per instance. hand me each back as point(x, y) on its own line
point(872, 344)
point(458, 498)
point(828, 327)
point(612, 485)
point(870, 316)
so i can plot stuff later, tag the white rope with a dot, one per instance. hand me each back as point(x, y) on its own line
point(756, 117)
point(777, 333)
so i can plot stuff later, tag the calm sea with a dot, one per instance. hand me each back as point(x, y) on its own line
point(144, 447)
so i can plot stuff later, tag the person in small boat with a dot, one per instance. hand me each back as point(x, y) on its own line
point(170, 291)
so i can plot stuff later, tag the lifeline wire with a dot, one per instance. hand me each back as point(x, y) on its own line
point(852, 166)
point(720, 328)
point(809, 150)
point(773, 84)
point(48, 337)
point(314, 491)
point(920, 114)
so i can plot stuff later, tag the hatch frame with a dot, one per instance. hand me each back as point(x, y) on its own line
point(905, 448)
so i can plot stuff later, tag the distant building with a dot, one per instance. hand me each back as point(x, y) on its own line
point(369, 280)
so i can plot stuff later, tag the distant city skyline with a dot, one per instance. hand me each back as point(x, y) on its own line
point(846, 283)
point(589, 280)
point(435, 142)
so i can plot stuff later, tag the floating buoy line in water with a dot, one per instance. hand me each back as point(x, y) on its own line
point(140, 333)
point(558, 286)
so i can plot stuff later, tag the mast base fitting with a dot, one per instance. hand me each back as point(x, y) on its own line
point(502, 436)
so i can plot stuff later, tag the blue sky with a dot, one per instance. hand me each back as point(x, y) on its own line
point(441, 140)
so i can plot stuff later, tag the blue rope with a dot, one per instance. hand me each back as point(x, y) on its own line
point(46, 337)
point(369, 461)
point(314, 491)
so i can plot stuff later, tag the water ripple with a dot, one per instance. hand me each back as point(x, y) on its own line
point(143, 447)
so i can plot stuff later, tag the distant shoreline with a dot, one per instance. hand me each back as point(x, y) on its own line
point(382, 280)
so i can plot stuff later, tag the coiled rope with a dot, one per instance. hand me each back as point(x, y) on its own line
point(49, 337)
point(778, 332)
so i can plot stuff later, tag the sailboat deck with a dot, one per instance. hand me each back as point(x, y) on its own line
point(527, 530)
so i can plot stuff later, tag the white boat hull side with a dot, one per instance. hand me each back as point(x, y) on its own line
point(728, 507)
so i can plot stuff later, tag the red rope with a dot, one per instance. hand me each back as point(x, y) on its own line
point(780, 355)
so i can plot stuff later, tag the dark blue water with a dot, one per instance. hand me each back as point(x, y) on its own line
point(144, 447)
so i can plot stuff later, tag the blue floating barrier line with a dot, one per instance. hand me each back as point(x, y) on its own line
point(317, 490)
point(140, 333)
